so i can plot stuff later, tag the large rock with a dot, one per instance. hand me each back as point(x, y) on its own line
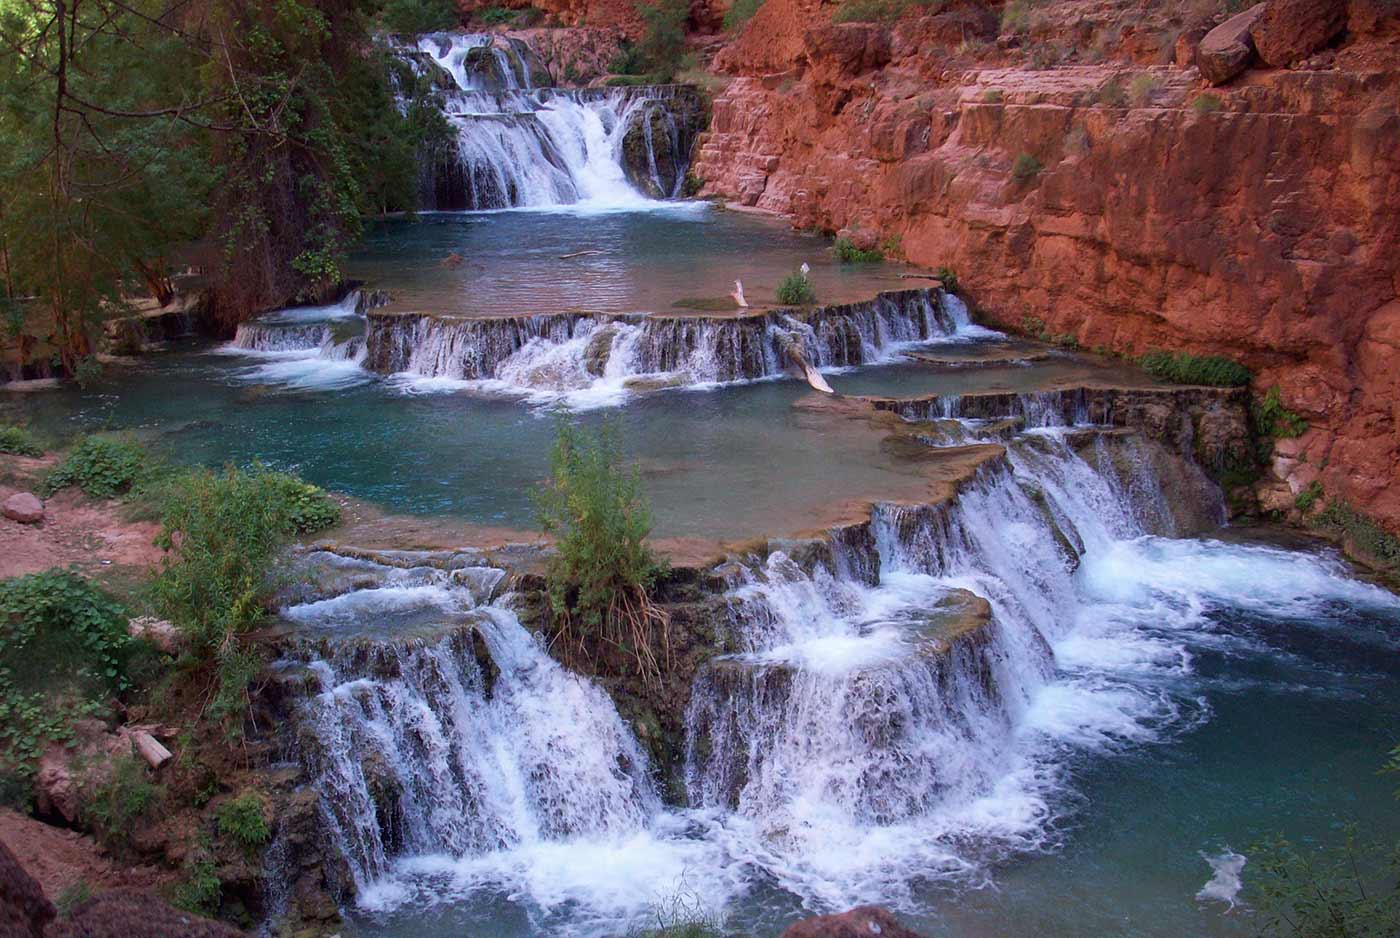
point(135, 914)
point(1292, 30)
point(1226, 50)
point(866, 921)
point(24, 912)
point(23, 507)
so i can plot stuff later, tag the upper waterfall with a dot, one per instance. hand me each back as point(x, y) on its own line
point(521, 142)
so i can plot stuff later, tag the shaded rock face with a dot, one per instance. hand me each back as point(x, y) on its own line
point(656, 146)
point(1225, 51)
point(1261, 229)
point(24, 912)
point(1292, 30)
point(865, 921)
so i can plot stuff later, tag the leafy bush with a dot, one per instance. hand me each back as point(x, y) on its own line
point(223, 531)
point(64, 649)
point(993, 96)
point(242, 819)
point(124, 797)
point(1330, 893)
point(1025, 167)
point(847, 253)
point(1112, 94)
point(740, 13)
point(1142, 88)
point(101, 467)
point(949, 278)
point(1308, 497)
point(1016, 16)
point(1185, 368)
point(1368, 537)
point(20, 442)
point(411, 17)
point(796, 290)
point(72, 896)
point(659, 54)
point(496, 16)
point(1205, 104)
point(1274, 421)
point(601, 571)
point(201, 891)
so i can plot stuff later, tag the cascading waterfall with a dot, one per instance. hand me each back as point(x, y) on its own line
point(600, 355)
point(523, 143)
point(464, 738)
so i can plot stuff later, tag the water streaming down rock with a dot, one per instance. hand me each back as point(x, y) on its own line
point(870, 723)
point(459, 739)
point(567, 352)
point(522, 142)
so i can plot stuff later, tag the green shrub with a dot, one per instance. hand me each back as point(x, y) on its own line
point(1205, 104)
point(496, 16)
point(101, 467)
point(64, 650)
point(993, 96)
point(1016, 16)
point(796, 290)
point(847, 253)
point(1371, 539)
point(1329, 892)
point(1185, 368)
point(1025, 167)
point(949, 277)
point(72, 896)
point(1142, 88)
point(411, 17)
point(660, 52)
point(1308, 497)
point(1274, 421)
point(601, 571)
point(124, 797)
point(740, 13)
point(1112, 94)
point(223, 531)
point(242, 820)
point(19, 442)
point(201, 891)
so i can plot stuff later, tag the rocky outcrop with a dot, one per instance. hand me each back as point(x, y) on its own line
point(861, 922)
point(574, 57)
point(1256, 222)
point(1291, 30)
point(1225, 51)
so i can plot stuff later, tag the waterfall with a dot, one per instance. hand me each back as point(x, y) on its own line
point(456, 735)
point(598, 357)
point(307, 347)
point(522, 143)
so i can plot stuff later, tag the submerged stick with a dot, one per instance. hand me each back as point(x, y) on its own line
point(565, 257)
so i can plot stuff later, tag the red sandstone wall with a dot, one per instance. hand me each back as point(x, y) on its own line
point(1267, 230)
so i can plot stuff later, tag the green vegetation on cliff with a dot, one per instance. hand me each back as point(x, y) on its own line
point(1185, 368)
point(660, 53)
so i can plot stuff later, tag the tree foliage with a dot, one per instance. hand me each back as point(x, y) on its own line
point(140, 135)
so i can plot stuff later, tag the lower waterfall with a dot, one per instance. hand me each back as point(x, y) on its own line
point(906, 705)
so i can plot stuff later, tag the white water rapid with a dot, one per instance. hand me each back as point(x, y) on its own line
point(905, 708)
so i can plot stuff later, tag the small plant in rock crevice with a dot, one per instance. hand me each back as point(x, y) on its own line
point(1186, 368)
point(242, 820)
point(1025, 167)
point(120, 800)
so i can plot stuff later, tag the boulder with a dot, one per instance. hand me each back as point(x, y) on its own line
point(1291, 30)
point(123, 913)
point(862, 922)
point(23, 507)
point(166, 636)
point(1226, 50)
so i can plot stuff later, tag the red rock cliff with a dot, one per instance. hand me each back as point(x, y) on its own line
point(1130, 207)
